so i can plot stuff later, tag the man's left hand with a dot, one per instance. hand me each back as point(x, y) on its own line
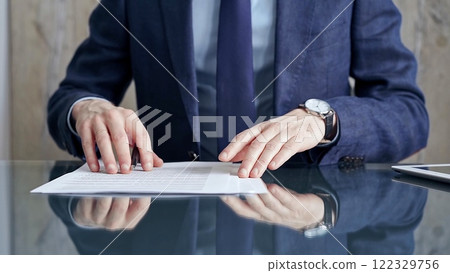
point(280, 207)
point(271, 143)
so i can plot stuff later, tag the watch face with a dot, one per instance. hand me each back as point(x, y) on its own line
point(318, 106)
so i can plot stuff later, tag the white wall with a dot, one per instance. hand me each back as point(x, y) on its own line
point(5, 220)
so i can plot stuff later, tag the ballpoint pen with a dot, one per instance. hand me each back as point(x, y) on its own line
point(134, 157)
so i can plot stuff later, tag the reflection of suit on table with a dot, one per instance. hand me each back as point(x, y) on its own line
point(376, 216)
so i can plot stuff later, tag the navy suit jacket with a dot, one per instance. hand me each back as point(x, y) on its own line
point(385, 120)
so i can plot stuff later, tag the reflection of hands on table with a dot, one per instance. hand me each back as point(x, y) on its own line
point(111, 213)
point(280, 207)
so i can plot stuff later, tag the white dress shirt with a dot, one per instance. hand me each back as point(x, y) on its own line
point(205, 22)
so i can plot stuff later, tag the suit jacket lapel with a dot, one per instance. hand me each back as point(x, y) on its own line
point(294, 24)
point(178, 30)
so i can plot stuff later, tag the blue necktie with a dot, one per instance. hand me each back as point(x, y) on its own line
point(234, 98)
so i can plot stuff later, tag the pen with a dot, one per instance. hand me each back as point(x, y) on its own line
point(134, 157)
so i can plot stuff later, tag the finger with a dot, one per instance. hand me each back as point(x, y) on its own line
point(258, 205)
point(296, 140)
point(100, 210)
point(238, 143)
point(139, 137)
point(289, 149)
point(265, 159)
point(305, 208)
point(136, 210)
point(145, 148)
point(131, 119)
point(248, 168)
point(116, 218)
point(251, 156)
point(252, 161)
point(83, 212)
point(157, 161)
point(286, 198)
point(88, 144)
point(240, 155)
point(104, 145)
point(272, 203)
point(116, 127)
point(241, 207)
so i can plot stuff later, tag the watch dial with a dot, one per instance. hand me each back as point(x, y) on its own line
point(318, 106)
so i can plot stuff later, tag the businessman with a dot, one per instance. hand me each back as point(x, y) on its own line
point(385, 121)
point(238, 60)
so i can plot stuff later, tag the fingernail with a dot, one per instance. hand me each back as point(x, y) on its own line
point(148, 166)
point(273, 190)
point(243, 172)
point(273, 164)
point(125, 167)
point(224, 156)
point(93, 167)
point(111, 168)
point(255, 172)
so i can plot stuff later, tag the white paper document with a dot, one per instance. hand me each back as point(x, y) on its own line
point(212, 178)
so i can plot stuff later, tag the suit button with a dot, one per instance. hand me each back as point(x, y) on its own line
point(192, 155)
point(350, 162)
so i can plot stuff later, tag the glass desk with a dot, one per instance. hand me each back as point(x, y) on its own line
point(379, 212)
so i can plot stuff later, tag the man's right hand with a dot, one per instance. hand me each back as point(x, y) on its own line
point(111, 213)
point(100, 122)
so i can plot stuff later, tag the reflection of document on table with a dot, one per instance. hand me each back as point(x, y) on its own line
point(172, 178)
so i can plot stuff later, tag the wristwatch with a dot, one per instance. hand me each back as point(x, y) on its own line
point(323, 110)
point(321, 228)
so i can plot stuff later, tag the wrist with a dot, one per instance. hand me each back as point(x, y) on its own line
point(89, 105)
point(77, 108)
point(316, 210)
point(323, 212)
point(322, 110)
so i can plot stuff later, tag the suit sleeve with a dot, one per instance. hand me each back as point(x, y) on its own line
point(386, 120)
point(99, 68)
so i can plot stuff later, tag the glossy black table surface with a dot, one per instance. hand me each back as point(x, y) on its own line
point(378, 212)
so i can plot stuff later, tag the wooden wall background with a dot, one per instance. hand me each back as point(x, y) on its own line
point(45, 34)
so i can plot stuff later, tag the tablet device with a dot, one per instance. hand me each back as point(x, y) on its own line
point(438, 172)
